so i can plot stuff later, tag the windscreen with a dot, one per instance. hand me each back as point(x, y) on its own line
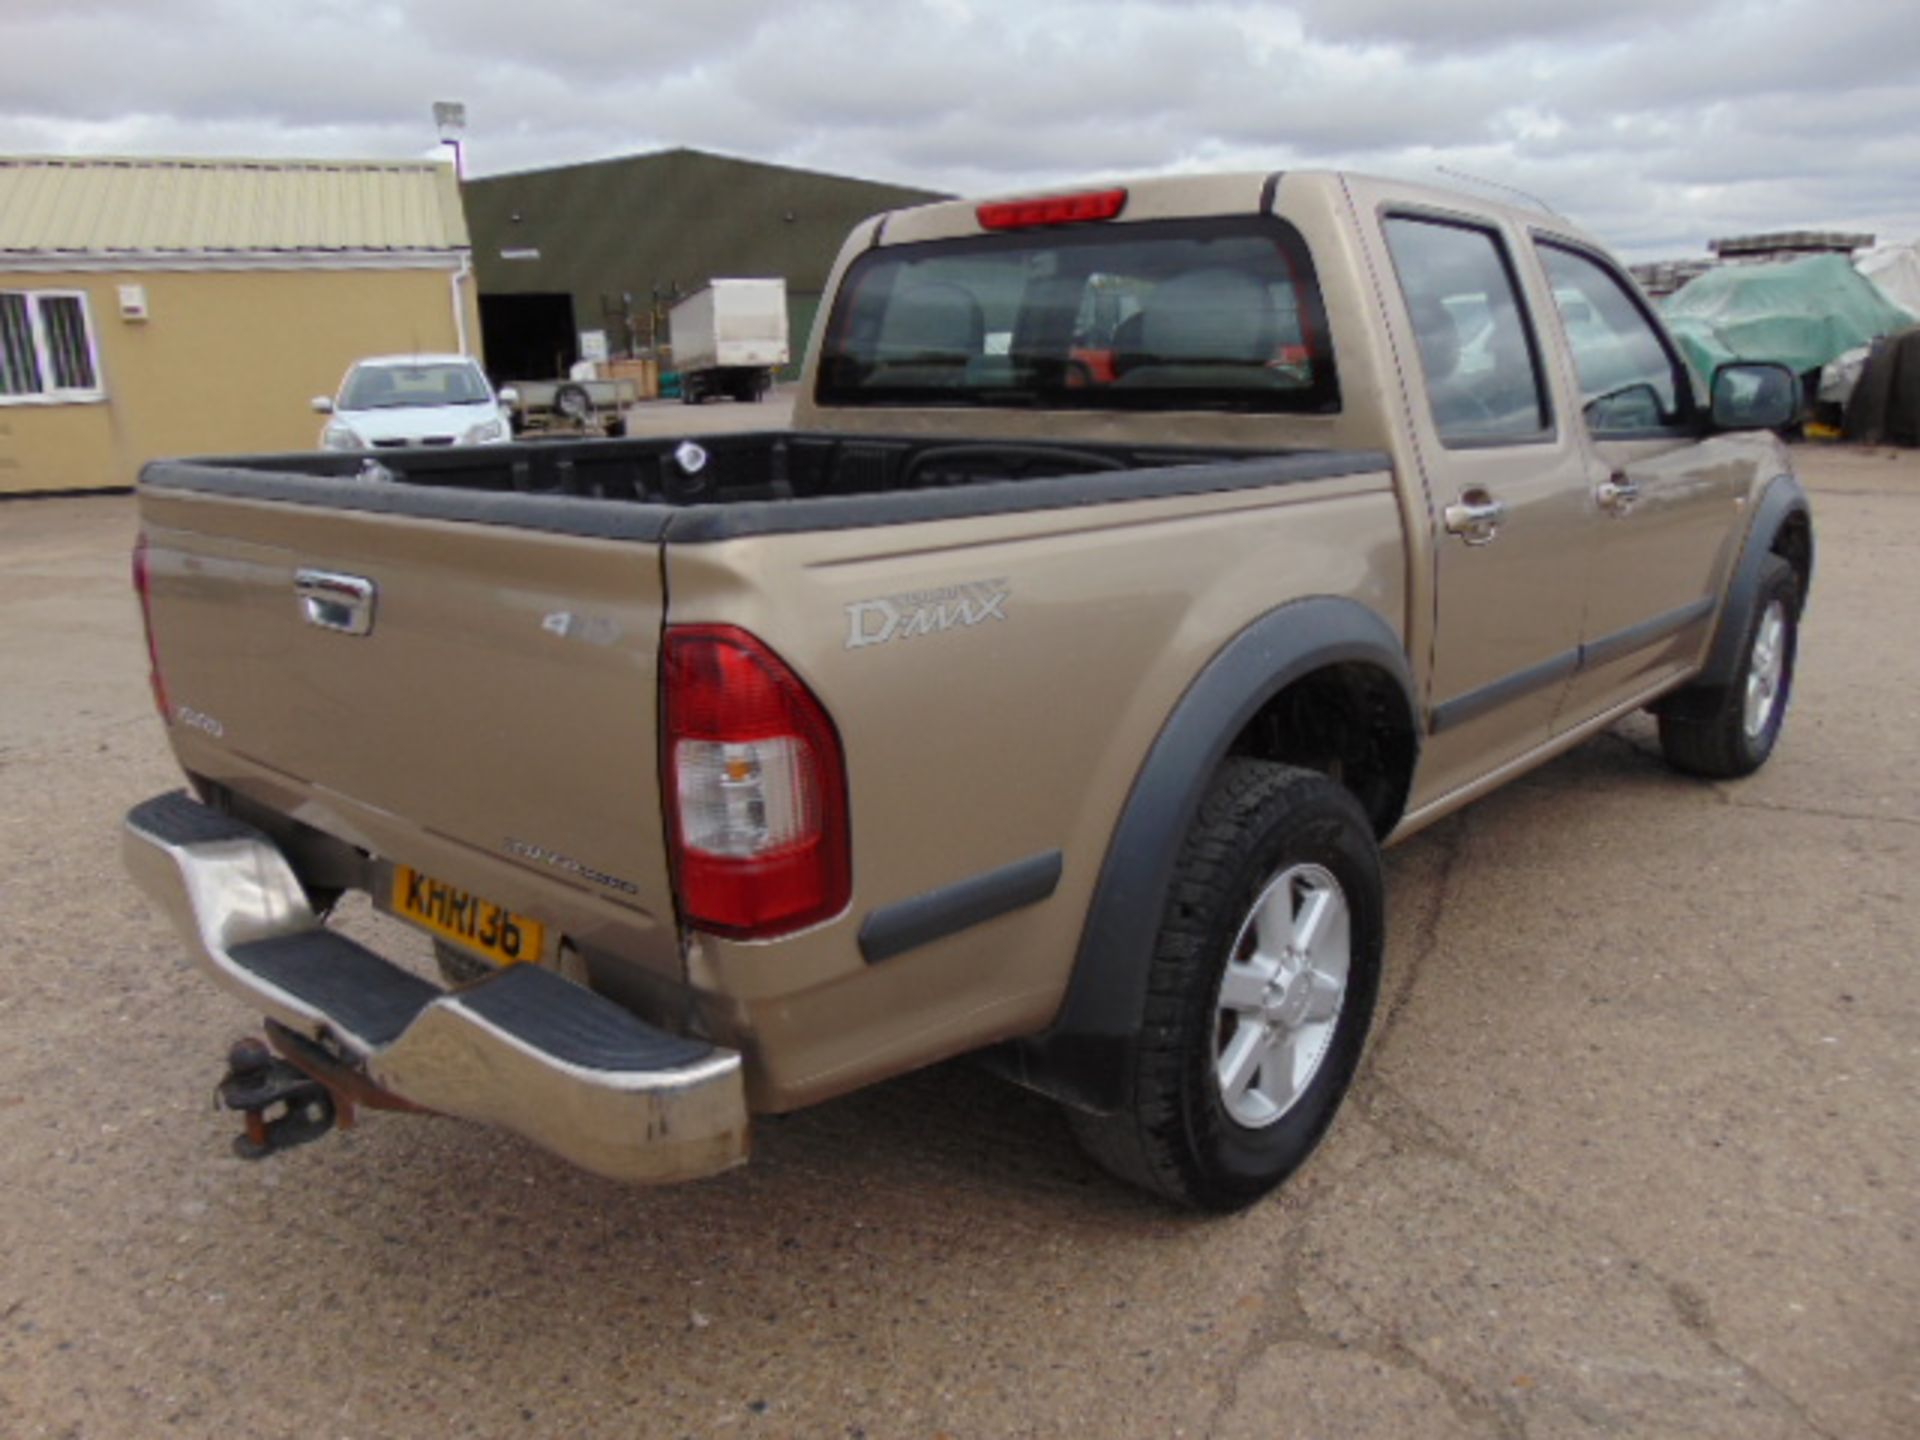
point(385, 387)
point(1191, 314)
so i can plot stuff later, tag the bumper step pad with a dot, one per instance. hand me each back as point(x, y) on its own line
point(543, 1011)
point(369, 997)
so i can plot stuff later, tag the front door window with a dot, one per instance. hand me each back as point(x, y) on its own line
point(1630, 382)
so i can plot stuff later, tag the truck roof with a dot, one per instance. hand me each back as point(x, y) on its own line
point(1164, 197)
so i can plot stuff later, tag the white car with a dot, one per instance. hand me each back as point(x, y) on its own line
point(392, 400)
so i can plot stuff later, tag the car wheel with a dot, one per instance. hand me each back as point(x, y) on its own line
point(574, 402)
point(1261, 989)
point(1726, 731)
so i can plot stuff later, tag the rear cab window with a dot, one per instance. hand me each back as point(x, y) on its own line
point(1191, 314)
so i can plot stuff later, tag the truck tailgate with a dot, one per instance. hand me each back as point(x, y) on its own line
point(501, 695)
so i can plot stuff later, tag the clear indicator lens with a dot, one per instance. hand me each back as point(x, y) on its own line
point(746, 798)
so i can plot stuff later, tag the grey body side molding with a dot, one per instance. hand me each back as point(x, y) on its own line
point(1782, 499)
point(1083, 1057)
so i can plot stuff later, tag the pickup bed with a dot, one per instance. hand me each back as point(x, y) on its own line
point(1140, 562)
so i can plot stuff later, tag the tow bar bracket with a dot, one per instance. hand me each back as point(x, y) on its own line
point(256, 1083)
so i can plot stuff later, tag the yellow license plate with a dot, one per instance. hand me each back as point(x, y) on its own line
point(468, 921)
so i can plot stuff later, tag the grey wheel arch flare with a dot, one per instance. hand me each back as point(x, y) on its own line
point(1082, 1058)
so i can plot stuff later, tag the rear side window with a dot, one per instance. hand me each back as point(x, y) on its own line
point(1215, 314)
point(1477, 352)
point(1629, 380)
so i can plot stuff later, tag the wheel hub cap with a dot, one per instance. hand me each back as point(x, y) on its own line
point(1281, 994)
point(1765, 667)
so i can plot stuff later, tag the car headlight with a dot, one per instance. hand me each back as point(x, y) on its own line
point(339, 436)
point(485, 431)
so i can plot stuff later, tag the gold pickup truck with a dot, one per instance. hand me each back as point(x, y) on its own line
point(1142, 559)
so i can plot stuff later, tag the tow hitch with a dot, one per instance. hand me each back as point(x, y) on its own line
point(279, 1104)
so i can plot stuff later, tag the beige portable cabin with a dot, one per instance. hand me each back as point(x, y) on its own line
point(155, 307)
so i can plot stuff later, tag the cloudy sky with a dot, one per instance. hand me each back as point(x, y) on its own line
point(1657, 123)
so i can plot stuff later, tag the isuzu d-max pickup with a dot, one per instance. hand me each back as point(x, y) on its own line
point(1142, 559)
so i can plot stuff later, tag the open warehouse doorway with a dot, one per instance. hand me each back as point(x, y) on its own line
point(528, 337)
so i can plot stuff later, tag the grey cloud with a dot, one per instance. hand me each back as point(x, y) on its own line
point(1655, 124)
point(1480, 25)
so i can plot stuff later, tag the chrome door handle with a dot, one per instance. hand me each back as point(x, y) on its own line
point(335, 602)
point(1475, 517)
point(1617, 492)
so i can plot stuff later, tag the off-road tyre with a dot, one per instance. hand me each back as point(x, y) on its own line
point(574, 401)
point(1703, 729)
point(1176, 1138)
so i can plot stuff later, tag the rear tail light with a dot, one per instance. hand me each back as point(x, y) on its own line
point(1051, 210)
point(756, 788)
point(143, 587)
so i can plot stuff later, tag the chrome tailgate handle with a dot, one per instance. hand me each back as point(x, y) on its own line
point(1475, 517)
point(334, 601)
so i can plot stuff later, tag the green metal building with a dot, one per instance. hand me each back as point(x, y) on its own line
point(609, 246)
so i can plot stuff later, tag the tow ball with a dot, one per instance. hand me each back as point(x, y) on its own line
point(280, 1105)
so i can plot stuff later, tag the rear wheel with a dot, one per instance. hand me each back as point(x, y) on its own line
point(1261, 990)
point(1726, 731)
point(572, 403)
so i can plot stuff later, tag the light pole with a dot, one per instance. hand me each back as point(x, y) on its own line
point(450, 118)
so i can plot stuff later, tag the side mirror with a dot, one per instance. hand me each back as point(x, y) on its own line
point(1755, 395)
point(322, 405)
point(509, 396)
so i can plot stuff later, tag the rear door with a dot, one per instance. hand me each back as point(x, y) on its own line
point(1508, 485)
point(483, 694)
point(1665, 493)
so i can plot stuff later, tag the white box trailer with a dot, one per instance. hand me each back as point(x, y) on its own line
point(729, 338)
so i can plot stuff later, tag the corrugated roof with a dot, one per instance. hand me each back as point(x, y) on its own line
point(97, 205)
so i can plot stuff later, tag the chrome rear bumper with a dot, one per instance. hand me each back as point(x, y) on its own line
point(522, 1049)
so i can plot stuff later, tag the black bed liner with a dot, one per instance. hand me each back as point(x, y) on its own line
point(718, 487)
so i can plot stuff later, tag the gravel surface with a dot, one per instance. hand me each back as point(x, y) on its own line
point(1636, 1151)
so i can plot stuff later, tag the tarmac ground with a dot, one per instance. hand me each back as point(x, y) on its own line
point(1636, 1150)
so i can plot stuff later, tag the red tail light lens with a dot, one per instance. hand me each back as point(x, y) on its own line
point(142, 586)
point(1051, 210)
point(756, 788)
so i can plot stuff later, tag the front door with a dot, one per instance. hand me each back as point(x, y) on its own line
point(1664, 492)
point(1509, 488)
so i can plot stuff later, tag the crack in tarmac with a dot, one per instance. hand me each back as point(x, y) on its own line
point(1818, 812)
point(1452, 836)
point(1402, 1120)
point(1285, 1320)
point(1722, 791)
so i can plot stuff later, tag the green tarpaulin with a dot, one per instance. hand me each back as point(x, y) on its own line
point(1799, 313)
